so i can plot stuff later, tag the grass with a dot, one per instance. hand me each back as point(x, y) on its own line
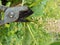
point(44, 29)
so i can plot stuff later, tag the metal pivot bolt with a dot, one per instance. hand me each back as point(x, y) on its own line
point(11, 14)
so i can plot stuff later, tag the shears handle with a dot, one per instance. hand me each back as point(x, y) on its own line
point(3, 8)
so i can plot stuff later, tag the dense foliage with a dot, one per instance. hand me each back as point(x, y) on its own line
point(42, 30)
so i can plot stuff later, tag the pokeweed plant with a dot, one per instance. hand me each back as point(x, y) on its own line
point(43, 28)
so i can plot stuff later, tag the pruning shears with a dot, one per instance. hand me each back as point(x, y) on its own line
point(15, 14)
